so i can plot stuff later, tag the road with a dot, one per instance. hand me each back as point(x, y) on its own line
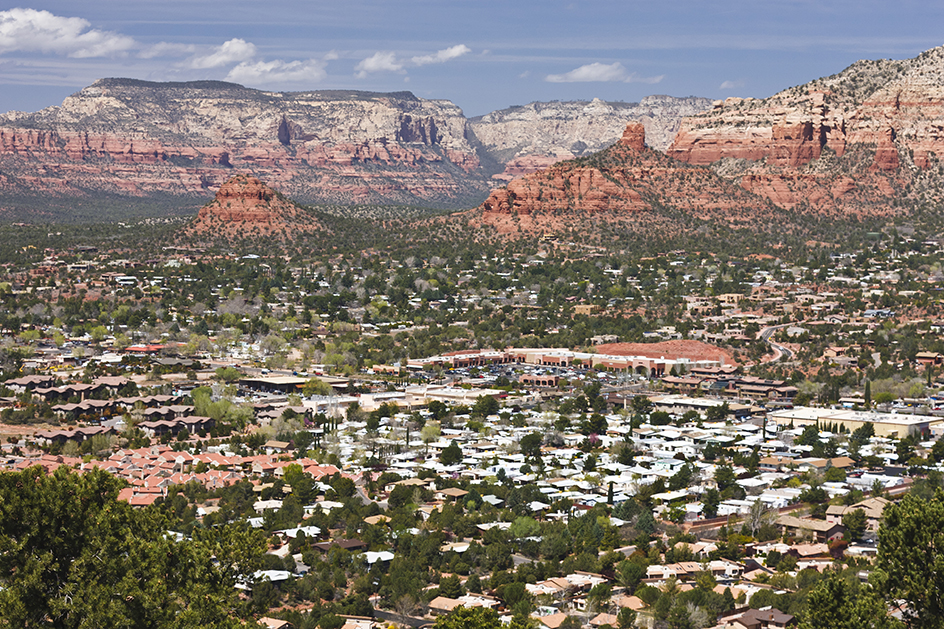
point(779, 350)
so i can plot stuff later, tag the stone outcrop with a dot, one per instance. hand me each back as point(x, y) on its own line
point(879, 122)
point(138, 138)
point(531, 137)
point(620, 183)
point(246, 207)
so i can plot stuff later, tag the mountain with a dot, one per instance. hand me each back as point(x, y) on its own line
point(627, 183)
point(527, 138)
point(246, 207)
point(864, 140)
point(130, 138)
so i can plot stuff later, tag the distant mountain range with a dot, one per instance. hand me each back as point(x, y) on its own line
point(866, 142)
point(130, 138)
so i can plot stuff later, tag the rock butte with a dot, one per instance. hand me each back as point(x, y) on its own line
point(619, 183)
point(244, 206)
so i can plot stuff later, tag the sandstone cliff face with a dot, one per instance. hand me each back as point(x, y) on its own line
point(620, 184)
point(531, 137)
point(138, 138)
point(143, 138)
point(878, 122)
point(245, 207)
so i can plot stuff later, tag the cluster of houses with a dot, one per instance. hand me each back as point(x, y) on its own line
point(564, 469)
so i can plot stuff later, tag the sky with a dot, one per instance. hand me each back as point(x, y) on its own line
point(482, 55)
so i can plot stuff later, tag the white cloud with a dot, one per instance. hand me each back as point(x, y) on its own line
point(229, 52)
point(651, 80)
point(29, 30)
point(730, 85)
point(601, 73)
point(442, 56)
point(378, 62)
point(592, 72)
point(278, 72)
point(167, 49)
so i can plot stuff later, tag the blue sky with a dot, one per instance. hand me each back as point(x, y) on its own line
point(482, 55)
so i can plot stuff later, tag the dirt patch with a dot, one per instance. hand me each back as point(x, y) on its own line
point(695, 350)
point(24, 430)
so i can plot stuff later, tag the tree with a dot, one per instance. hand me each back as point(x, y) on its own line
point(469, 618)
point(530, 445)
point(626, 618)
point(630, 574)
point(81, 558)
point(430, 432)
point(642, 405)
point(725, 477)
point(911, 554)
point(718, 413)
point(854, 521)
point(451, 454)
point(316, 386)
point(838, 603)
point(710, 501)
point(484, 406)
point(450, 587)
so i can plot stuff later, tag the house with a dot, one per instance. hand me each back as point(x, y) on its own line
point(356, 622)
point(450, 493)
point(553, 621)
point(442, 605)
point(873, 507)
point(820, 530)
point(352, 545)
point(771, 618)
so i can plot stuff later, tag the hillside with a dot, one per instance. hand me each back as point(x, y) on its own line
point(627, 184)
point(143, 140)
point(245, 207)
point(527, 138)
point(862, 141)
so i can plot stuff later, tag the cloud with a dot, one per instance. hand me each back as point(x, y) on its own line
point(378, 62)
point(442, 56)
point(601, 73)
point(730, 85)
point(278, 72)
point(591, 72)
point(229, 52)
point(167, 49)
point(29, 30)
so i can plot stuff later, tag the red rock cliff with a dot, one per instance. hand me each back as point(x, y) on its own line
point(619, 183)
point(879, 122)
point(244, 206)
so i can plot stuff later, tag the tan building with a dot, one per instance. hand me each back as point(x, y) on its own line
point(892, 425)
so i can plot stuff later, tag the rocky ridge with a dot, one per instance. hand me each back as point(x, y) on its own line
point(625, 183)
point(854, 142)
point(246, 207)
point(137, 138)
point(534, 136)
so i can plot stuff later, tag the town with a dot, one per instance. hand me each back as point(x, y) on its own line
point(567, 436)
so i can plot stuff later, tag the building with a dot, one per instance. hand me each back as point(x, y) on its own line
point(891, 425)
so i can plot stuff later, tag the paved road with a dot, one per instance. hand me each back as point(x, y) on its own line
point(779, 350)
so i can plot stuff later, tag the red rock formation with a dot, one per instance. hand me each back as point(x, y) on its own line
point(634, 136)
point(244, 206)
point(845, 143)
point(619, 183)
